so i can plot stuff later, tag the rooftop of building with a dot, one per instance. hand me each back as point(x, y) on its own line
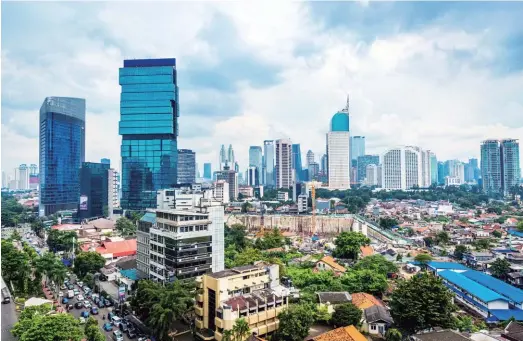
point(472, 287)
point(235, 271)
point(443, 335)
point(496, 285)
point(446, 265)
point(349, 333)
point(330, 261)
point(377, 313)
point(119, 248)
point(363, 300)
point(514, 331)
point(256, 298)
point(334, 297)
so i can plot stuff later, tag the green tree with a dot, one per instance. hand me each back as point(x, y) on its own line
point(422, 302)
point(345, 315)
point(369, 281)
point(61, 240)
point(376, 263)
point(37, 227)
point(442, 238)
point(57, 327)
point(348, 244)
point(227, 334)
point(500, 268)
point(295, 322)
point(423, 259)
point(92, 330)
point(388, 223)
point(246, 206)
point(57, 274)
point(497, 234)
point(323, 315)
point(519, 225)
point(241, 330)
point(26, 317)
point(482, 244)
point(88, 262)
point(428, 241)
point(399, 258)
point(126, 227)
point(236, 235)
point(393, 334)
point(459, 251)
point(16, 267)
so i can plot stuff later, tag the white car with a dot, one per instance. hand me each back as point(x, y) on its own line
point(87, 304)
point(116, 321)
point(80, 284)
point(60, 294)
point(82, 320)
point(80, 297)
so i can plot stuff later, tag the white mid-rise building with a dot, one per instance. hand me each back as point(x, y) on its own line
point(371, 175)
point(221, 191)
point(302, 203)
point(114, 190)
point(405, 168)
point(453, 181)
point(23, 177)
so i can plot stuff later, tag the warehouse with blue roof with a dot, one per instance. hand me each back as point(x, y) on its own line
point(490, 297)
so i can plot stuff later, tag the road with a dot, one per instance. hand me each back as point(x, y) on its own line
point(9, 318)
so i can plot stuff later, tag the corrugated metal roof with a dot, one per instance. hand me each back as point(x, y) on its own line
point(474, 288)
point(447, 265)
point(496, 285)
point(149, 217)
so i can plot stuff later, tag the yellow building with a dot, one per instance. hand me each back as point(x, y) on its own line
point(252, 292)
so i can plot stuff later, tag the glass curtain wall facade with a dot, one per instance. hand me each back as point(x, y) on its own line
point(268, 146)
point(149, 113)
point(94, 190)
point(207, 170)
point(362, 162)
point(296, 162)
point(510, 167)
point(61, 152)
point(186, 166)
point(491, 166)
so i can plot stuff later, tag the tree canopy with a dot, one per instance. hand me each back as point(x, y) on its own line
point(459, 251)
point(500, 268)
point(61, 240)
point(39, 327)
point(422, 302)
point(388, 223)
point(348, 244)
point(295, 322)
point(126, 227)
point(345, 315)
point(88, 262)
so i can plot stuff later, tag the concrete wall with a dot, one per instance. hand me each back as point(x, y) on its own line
point(325, 225)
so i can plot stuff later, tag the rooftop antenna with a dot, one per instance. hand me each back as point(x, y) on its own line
point(346, 109)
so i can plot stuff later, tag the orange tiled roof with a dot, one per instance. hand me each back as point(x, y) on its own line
point(118, 249)
point(332, 263)
point(366, 250)
point(349, 333)
point(363, 300)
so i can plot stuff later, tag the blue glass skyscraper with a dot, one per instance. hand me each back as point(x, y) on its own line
point(62, 151)
point(149, 113)
point(296, 162)
point(207, 171)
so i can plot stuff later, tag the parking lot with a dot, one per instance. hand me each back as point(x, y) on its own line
point(105, 311)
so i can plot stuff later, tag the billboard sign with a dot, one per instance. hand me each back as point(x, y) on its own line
point(121, 291)
point(83, 203)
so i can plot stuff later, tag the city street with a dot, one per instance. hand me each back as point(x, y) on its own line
point(9, 318)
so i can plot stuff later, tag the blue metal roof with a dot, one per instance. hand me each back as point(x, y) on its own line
point(515, 233)
point(502, 288)
point(447, 265)
point(149, 217)
point(505, 314)
point(474, 288)
point(130, 273)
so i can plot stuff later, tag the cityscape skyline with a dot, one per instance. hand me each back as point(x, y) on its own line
point(385, 118)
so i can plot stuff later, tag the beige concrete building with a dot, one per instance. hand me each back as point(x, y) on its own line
point(252, 292)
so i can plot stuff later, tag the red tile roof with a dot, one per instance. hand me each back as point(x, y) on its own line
point(118, 249)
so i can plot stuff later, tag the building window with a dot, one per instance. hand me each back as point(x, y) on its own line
point(372, 327)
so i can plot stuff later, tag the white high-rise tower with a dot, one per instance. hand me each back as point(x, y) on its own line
point(338, 150)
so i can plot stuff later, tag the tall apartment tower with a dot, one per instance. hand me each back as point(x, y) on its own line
point(207, 170)
point(94, 190)
point(149, 113)
point(114, 190)
point(23, 177)
point(62, 152)
point(402, 168)
point(357, 147)
point(296, 162)
point(338, 150)
point(33, 169)
point(433, 168)
point(268, 160)
point(256, 160)
point(222, 157)
point(310, 158)
point(186, 166)
point(231, 177)
point(491, 166)
point(510, 166)
point(230, 156)
point(284, 171)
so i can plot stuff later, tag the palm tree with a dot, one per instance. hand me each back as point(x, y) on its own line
point(57, 274)
point(241, 330)
point(227, 335)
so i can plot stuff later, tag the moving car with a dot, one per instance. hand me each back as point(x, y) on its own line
point(84, 314)
point(78, 305)
point(107, 327)
point(94, 311)
point(116, 321)
point(117, 335)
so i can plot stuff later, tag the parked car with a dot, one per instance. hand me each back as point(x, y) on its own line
point(78, 305)
point(94, 311)
point(115, 320)
point(84, 314)
point(86, 288)
point(80, 297)
point(65, 300)
point(62, 287)
point(124, 327)
point(87, 304)
point(80, 284)
point(76, 291)
point(100, 304)
point(110, 316)
point(108, 303)
point(108, 327)
point(69, 307)
point(60, 294)
point(117, 335)
point(69, 286)
point(81, 319)
point(131, 334)
point(70, 294)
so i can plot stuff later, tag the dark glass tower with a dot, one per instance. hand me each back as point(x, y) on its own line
point(149, 113)
point(62, 151)
point(94, 190)
point(296, 162)
point(186, 166)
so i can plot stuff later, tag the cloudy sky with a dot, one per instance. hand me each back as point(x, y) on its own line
point(443, 76)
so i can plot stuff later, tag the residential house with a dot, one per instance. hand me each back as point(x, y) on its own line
point(366, 251)
point(116, 249)
point(376, 320)
point(349, 333)
point(363, 300)
point(328, 263)
point(516, 279)
point(476, 259)
point(513, 331)
point(481, 234)
point(440, 335)
point(331, 299)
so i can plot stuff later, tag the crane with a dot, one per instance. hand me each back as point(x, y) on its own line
point(262, 221)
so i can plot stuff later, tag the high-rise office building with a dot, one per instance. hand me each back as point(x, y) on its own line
point(231, 177)
point(443, 172)
point(207, 170)
point(357, 147)
point(223, 157)
point(114, 190)
point(23, 177)
point(149, 113)
point(310, 157)
point(253, 178)
point(230, 155)
point(338, 150)
point(5, 181)
point(363, 161)
point(510, 166)
point(186, 166)
point(105, 161)
point(371, 174)
point(284, 172)
point(256, 160)
point(324, 164)
point(455, 169)
point(296, 162)
point(33, 169)
point(402, 168)
point(474, 165)
point(433, 169)
point(62, 152)
point(313, 170)
point(94, 190)
point(268, 160)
